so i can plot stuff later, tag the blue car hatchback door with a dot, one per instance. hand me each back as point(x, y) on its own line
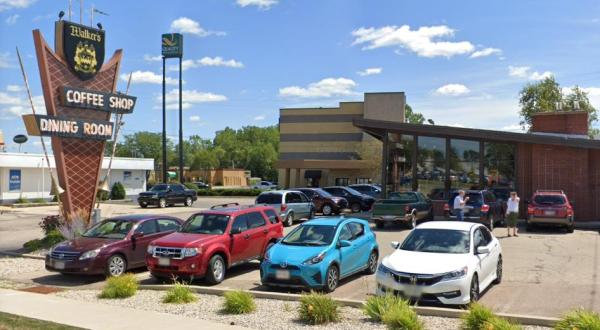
point(320, 252)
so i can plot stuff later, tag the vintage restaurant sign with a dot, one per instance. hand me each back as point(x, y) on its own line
point(68, 127)
point(89, 99)
point(82, 47)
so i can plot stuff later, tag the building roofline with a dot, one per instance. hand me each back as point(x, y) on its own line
point(377, 127)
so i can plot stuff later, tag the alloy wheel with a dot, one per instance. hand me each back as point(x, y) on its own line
point(372, 265)
point(188, 201)
point(289, 220)
point(474, 291)
point(332, 278)
point(162, 203)
point(218, 268)
point(499, 271)
point(116, 265)
point(491, 225)
point(413, 221)
point(327, 209)
point(355, 208)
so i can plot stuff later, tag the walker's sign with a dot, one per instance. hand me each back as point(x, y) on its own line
point(82, 47)
point(89, 99)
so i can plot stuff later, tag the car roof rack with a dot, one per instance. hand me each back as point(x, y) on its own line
point(223, 206)
point(560, 191)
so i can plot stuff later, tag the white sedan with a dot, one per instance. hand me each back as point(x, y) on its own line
point(448, 262)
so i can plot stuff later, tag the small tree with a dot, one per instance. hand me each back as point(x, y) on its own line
point(117, 191)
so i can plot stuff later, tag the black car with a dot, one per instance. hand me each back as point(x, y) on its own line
point(164, 194)
point(482, 207)
point(367, 189)
point(357, 200)
point(202, 185)
point(325, 202)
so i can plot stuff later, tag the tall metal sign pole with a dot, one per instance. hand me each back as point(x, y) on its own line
point(172, 46)
point(164, 126)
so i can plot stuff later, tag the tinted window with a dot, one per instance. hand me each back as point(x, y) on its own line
point(146, 227)
point(478, 239)
point(177, 188)
point(362, 189)
point(323, 193)
point(308, 192)
point(167, 225)
point(437, 241)
point(206, 224)
point(353, 191)
point(293, 198)
point(159, 187)
point(304, 198)
point(240, 222)
point(549, 199)
point(269, 198)
point(486, 235)
point(357, 229)
point(255, 220)
point(345, 233)
point(272, 216)
point(310, 235)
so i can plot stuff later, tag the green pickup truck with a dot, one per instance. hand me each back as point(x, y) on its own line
point(402, 207)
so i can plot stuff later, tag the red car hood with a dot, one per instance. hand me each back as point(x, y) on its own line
point(83, 244)
point(178, 239)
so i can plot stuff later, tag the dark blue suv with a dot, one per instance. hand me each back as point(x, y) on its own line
point(482, 207)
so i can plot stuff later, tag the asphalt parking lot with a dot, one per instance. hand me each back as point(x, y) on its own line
point(546, 272)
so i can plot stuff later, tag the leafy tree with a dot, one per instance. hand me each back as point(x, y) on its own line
point(413, 117)
point(578, 95)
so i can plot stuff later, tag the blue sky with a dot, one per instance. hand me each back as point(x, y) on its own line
point(459, 62)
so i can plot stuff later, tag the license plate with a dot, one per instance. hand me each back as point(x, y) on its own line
point(164, 261)
point(549, 213)
point(59, 264)
point(413, 291)
point(388, 217)
point(282, 274)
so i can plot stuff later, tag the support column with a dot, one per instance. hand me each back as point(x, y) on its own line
point(297, 183)
point(286, 179)
point(415, 171)
point(447, 183)
point(482, 182)
point(384, 164)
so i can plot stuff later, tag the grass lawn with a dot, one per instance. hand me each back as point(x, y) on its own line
point(15, 322)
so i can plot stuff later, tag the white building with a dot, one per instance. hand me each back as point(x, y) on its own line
point(27, 175)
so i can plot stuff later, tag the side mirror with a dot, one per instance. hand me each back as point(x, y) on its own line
point(235, 231)
point(395, 245)
point(344, 243)
point(136, 236)
point(483, 250)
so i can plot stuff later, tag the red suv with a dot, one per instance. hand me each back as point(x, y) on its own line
point(212, 241)
point(550, 207)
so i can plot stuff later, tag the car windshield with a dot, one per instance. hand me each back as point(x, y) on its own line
point(316, 235)
point(323, 193)
point(549, 199)
point(111, 229)
point(214, 224)
point(437, 241)
point(353, 191)
point(403, 197)
point(268, 198)
point(160, 187)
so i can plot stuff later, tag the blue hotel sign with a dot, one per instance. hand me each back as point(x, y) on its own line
point(14, 180)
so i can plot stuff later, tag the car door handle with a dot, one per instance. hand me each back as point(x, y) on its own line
point(247, 236)
point(265, 231)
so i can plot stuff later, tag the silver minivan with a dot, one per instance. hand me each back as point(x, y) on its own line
point(292, 205)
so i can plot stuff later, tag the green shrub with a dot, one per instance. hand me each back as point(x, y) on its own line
point(55, 198)
point(376, 306)
point(500, 323)
point(190, 185)
point(52, 238)
point(117, 191)
point(579, 319)
point(229, 192)
point(179, 294)
point(38, 200)
point(238, 302)
point(49, 223)
point(22, 200)
point(482, 318)
point(102, 195)
point(33, 245)
point(400, 316)
point(119, 287)
point(317, 308)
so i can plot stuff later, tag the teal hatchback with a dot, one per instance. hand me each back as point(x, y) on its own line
point(320, 252)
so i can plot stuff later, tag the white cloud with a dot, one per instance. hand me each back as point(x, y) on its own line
point(190, 97)
point(12, 19)
point(14, 88)
point(453, 90)
point(207, 61)
point(526, 72)
point(423, 41)
point(150, 58)
point(327, 87)
point(194, 118)
point(370, 71)
point(14, 105)
point(513, 128)
point(259, 118)
point(262, 4)
point(147, 77)
point(5, 61)
point(486, 52)
point(15, 4)
point(188, 25)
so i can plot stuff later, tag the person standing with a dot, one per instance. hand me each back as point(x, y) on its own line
point(512, 213)
point(459, 205)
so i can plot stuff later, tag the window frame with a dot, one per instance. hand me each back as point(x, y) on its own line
point(139, 226)
point(256, 214)
point(166, 219)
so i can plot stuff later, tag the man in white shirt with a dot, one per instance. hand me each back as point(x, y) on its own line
point(512, 213)
point(459, 204)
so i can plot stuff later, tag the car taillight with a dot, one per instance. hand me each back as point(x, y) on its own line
point(407, 208)
point(530, 210)
point(485, 208)
point(446, 207)
point(283, 207)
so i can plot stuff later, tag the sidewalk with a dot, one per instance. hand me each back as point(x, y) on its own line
point(96, 316)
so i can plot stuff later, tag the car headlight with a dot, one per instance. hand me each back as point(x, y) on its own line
point(190, 252)
point(383, 269)
point(90, 254)
point(460, 273)
point(267, 256)
point(316, 259)
point(150, 249)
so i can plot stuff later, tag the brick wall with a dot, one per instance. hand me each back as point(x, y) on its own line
point(564, 122)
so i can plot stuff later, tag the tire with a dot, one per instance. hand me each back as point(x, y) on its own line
point(143, 206)
point(188, 201)
point(289, 220)
point(215, 273)
point(162, 203)
point(327, 210)
point(498, 279)
point(474, 289)
point(379, 224)
point(413, 222)
point(355, 207)
point(332, 279)
point(116, 265)
point(372, 263)
point(571, 227)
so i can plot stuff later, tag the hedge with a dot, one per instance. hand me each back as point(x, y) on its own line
point(229, 192)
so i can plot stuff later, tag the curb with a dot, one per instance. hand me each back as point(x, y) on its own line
point(22, 255)
point(423, 311)
point(25, 205)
